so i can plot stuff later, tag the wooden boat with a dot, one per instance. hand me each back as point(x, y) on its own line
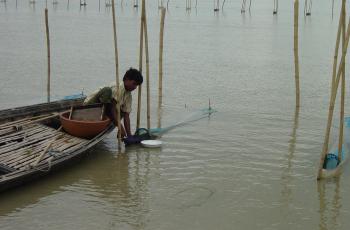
point(32, 144)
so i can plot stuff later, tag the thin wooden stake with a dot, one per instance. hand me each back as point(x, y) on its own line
point(102, 112)
point(160, 83)
point(342, 97)
point(147, 71)
point(48, 54)
point(275, 7)
point(119, 131)
point(296, 52)
point(70, 113)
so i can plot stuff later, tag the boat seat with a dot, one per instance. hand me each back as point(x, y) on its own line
point(4, 169)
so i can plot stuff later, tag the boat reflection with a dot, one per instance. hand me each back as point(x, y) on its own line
point(118, 181)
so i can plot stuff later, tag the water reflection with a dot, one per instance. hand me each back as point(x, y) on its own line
point(330, 203)
point(32, 4)
point(118, 184)
point(54, 6)
point(287, 176)
point(3, 2)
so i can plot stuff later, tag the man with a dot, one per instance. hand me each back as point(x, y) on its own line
point(108, 95)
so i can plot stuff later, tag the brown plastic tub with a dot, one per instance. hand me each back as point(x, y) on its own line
point(84, 123)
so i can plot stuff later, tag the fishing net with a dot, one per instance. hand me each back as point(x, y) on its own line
point(145, 134)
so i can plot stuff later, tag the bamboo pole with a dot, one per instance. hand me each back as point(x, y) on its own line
point(342, 97)
point(45, 150)
point(119, 131)
point(335, 61)
point(147, 70)
point(70, 113)
point(160, 83)
point(139, 95)
point(296, 52)
point(332, 102)
point(48, 54)
point(102, 112)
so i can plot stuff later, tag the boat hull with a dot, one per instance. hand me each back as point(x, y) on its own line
point(30, 149)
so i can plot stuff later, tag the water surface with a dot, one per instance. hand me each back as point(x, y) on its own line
point(251, 165)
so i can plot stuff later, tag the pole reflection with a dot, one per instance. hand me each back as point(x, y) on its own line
point(287, 176)
point(330, 203)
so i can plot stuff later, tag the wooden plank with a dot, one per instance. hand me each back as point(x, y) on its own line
point(38, 109)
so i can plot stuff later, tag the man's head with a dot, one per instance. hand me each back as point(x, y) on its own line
point(132, 78)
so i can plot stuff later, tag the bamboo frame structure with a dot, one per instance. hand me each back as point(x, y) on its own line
point(335, 61)
point(116, 74)
point(296, 52)
point(139, 95)
point(48, 86)
point(341, 30)
point(333, 97)
point(160, 83)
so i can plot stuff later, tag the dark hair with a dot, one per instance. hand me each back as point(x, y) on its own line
point(133, 74)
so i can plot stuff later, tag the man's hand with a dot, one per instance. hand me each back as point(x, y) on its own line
point(129, 140)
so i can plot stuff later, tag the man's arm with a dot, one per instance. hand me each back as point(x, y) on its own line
point(127, 124)
point(114, 117)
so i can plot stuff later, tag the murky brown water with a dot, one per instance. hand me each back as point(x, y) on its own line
point(251, 165)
